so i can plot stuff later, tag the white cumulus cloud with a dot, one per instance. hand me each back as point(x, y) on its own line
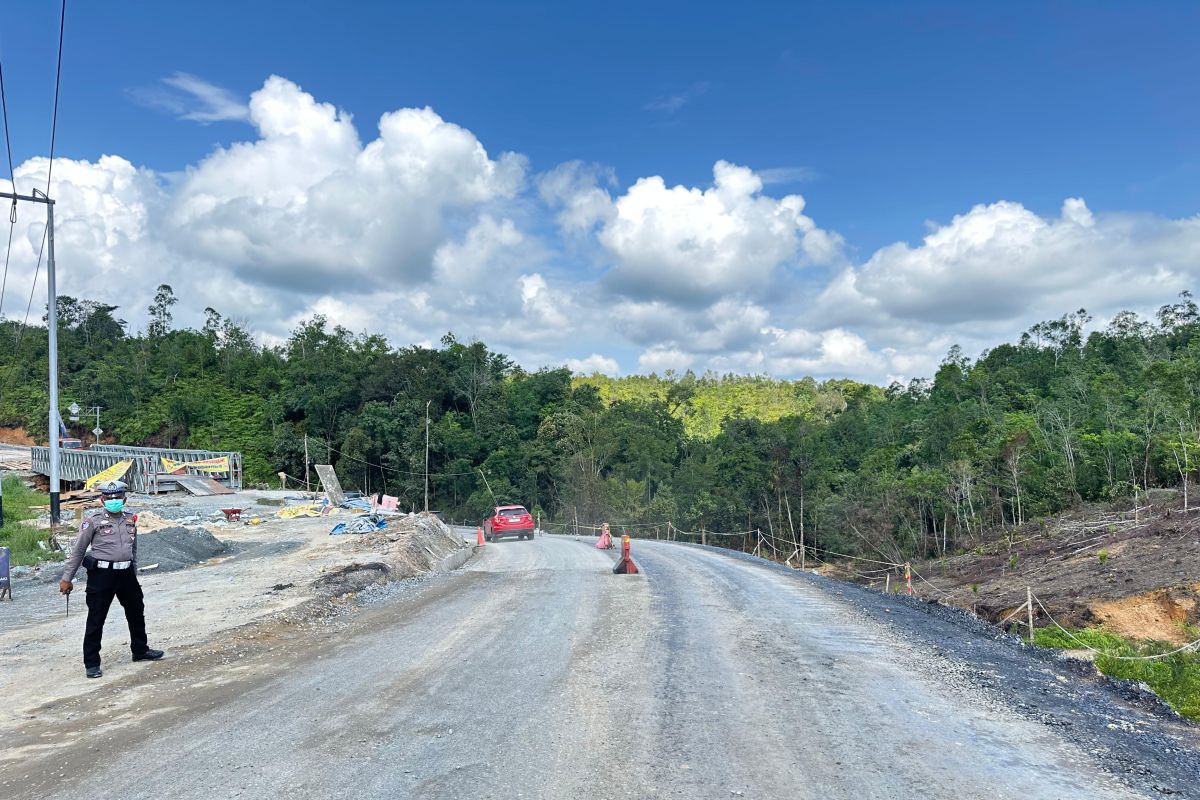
point(595, 363)
point(1004, 262)
point(418, 229)
point(692, 246)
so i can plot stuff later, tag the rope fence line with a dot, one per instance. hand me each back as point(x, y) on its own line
point(768, 540)
point(762, 538)
point(712, 533)
point(890, 564)
point(1086, 646)
point(922, 578)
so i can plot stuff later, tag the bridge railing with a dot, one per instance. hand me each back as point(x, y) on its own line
point(79, 465)
point(232, 478)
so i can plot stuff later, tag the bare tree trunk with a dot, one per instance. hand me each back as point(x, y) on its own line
point(799, 546)
point(1015, 473)
point(770, 525)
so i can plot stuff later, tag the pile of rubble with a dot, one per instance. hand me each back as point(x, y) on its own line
point(416, 543)
point(173, 548)
point(407, 545)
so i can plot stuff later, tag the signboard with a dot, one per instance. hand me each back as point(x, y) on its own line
point(332, 486)
point(113, 473)
point(5, 579)
point(213, 465)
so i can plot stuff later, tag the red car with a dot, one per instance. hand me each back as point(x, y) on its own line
point(508, 521)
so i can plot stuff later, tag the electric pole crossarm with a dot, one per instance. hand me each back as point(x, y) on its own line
point(28, 198)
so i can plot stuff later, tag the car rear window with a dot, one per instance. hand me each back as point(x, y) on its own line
point(512, 512)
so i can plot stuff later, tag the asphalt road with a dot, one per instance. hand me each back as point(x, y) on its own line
point(535, 673)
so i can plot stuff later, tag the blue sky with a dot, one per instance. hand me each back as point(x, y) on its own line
point(887, 118)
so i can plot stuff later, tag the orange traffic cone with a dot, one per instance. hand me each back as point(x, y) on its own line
point(625, 566)
point(479, 537)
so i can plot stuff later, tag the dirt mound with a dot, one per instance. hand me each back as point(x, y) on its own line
point(17, 435)
point(1163, 614)
point(1131, 570)
point(411, 544)
point(178, 547)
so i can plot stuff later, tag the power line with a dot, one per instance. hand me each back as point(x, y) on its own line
point(62, 22)
point(12, 224)
point(7, 140)
point(401, 471)
point(12, 214)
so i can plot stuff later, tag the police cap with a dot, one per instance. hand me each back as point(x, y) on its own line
point(112, 487)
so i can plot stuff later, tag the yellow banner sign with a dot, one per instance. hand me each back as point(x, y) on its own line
point(213, 465)
point(113, 473)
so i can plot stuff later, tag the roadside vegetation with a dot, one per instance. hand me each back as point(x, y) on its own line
point(1174, 678)
point(917, 470)
point(27, 544)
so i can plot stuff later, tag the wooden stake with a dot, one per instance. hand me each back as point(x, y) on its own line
point(1029, 600)
point(798, 545)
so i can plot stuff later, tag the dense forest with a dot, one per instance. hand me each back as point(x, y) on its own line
point(1027, 429)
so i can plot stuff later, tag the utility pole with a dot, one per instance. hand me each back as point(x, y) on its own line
point(52, 325)
point(52, 416)
point(307, 488)
point(427, 402)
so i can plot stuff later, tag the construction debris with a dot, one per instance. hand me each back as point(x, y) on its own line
point(352, 578)
point(202, 487)
point(309, 510)
point(366, 523)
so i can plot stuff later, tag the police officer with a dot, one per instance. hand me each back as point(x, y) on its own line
point(112, 572)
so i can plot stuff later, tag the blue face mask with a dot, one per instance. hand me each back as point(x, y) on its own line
point(114, 506)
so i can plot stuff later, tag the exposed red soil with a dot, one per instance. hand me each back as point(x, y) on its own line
point(16, 435)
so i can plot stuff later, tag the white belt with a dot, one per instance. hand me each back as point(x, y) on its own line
point(114, 564)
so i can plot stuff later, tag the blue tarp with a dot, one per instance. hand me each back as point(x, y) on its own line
point(5, 581)
point(365, 523)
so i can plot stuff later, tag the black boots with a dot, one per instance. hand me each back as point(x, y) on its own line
point(149, 655)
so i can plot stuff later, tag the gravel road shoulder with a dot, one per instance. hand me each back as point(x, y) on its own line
point(1132, 734)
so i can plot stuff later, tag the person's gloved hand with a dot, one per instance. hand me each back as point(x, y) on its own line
point(65, 587)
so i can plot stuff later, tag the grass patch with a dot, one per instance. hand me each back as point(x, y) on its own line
point(1175, 678)
point(27, 544)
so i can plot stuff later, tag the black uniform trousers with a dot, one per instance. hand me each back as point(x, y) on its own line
point(102, 586)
